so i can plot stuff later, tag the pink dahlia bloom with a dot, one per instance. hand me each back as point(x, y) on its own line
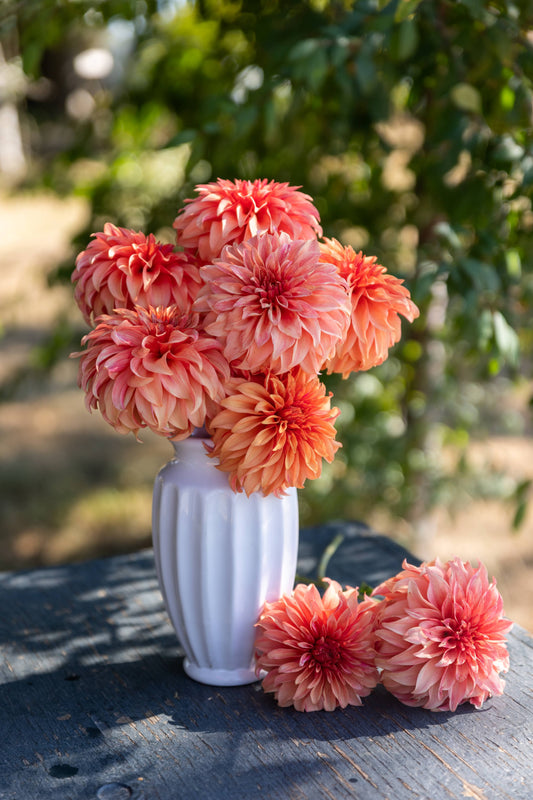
point(274, 304)
point(272, 432)
point(318, 652)
point(440, 637)
point(123, 269)
point(377, 300)
point(228, 212)
point(152, 368)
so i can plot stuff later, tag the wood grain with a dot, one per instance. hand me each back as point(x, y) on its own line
point(94, 704)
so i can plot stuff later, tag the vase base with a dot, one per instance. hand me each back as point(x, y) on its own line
point(219, 677)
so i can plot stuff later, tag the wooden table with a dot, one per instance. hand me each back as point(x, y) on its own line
point(94, 704)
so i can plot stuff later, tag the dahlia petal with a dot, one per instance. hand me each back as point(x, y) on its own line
point(425, 678)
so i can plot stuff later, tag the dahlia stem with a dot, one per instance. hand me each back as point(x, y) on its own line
point(330, 550)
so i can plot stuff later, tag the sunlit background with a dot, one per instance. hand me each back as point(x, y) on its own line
point(409, 123)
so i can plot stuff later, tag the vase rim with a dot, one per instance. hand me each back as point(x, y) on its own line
point(193, 442)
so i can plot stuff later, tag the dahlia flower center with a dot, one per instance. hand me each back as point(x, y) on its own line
point(160, 321)
point(147, 257)
point(141, 263)
point(326, 652)
point(268, 290)
point(158, 346)
point(161, 326)
point(247, 203)
point(291, 417)
point(461, 637)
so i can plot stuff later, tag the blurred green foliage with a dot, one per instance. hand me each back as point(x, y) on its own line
point(410, 124)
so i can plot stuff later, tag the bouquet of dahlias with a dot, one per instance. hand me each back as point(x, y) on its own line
point(231, 328)
point(230, 331)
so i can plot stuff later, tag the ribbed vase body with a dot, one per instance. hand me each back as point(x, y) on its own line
point(219, 556)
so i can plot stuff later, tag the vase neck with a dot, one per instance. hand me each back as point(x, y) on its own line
point(191, 450)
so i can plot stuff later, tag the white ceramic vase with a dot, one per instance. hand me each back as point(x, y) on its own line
point(219, 556)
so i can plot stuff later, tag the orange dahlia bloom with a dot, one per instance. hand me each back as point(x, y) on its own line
point(274, 304)
point(232, 211)
point(440, 636)
point(377, 300)
point(272, 432)
point(123, 269)
point(318, 652)
point(152, 368)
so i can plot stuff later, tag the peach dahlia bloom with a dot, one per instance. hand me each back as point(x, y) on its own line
point(272, 432)
point(274, 304)
point(440, 636)
point(377, 300)
point(318, 652)
point(122, 269)
point(232, 211)
point(152, 368)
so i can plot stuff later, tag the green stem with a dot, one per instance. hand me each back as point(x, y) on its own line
point(330, 550)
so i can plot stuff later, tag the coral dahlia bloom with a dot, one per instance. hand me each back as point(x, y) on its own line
point(232, 211)
point(440, 637)
point(152, 368)
point(318, 652)
point(274, 304)
point(377, 300)
point(272, 432)
point(123, 269)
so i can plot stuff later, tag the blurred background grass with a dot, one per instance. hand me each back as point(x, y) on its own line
point(409, 123)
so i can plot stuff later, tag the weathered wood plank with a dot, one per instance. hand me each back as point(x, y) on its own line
point(94, 704)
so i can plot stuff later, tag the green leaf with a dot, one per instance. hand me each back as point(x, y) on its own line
point(508, 150)
point(304, 50)
point(366, 71)
point(405, 9)
point(485, 329)
point(519, 515)
point(521, 497)
point(476, 7)
point(445, 232)
point(310, 62)
point(183, 137)
point(364, 591)
point(427, 274)
point(407, 39)
point(494, 366)
point(527, 170)
point(466, 97)
point(514, 264)
point(506, 338)
point(507, 98)
point(484, 276)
